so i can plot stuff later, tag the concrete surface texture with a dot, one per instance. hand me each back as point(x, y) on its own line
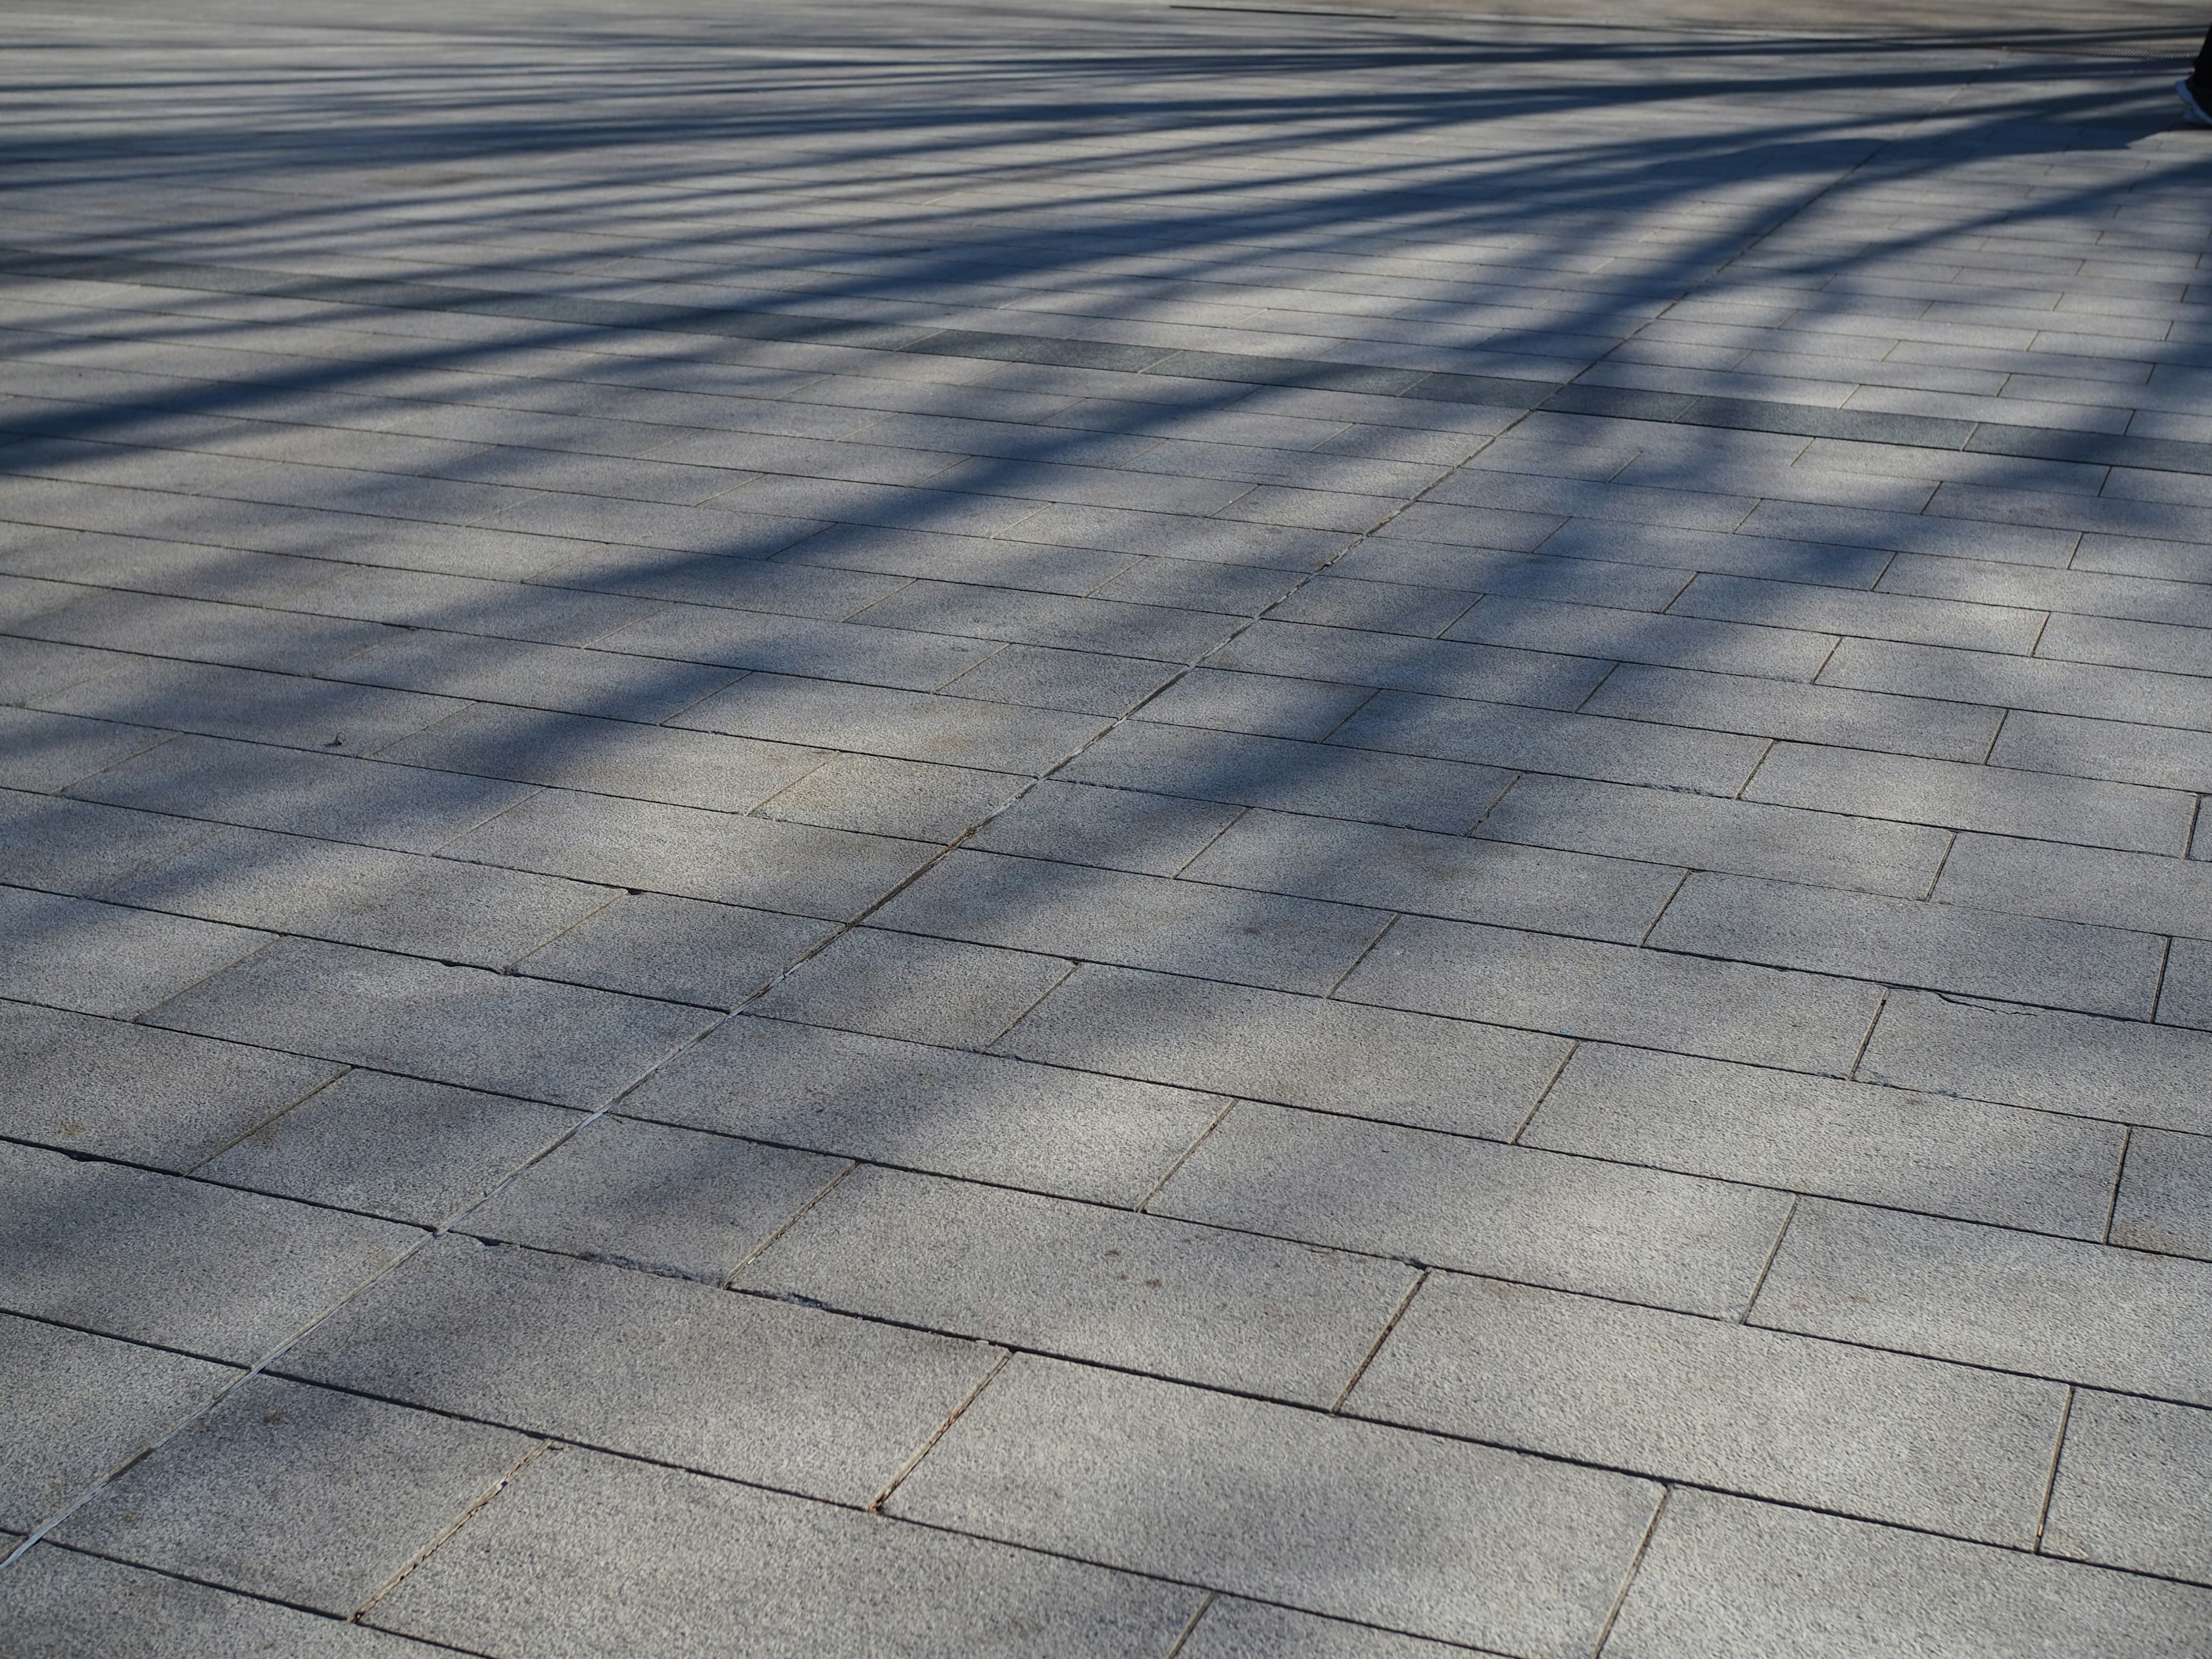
point(1066, 827)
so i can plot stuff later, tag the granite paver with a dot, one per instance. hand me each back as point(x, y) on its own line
point(1168, 831)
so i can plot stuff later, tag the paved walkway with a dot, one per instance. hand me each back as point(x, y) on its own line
point(1103, 831)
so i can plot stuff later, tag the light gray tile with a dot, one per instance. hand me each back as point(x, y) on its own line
point(1955, 730)
point(2166, 1194)
point(1115, 828)
point(642, 1195)
point(902, 725)
point(638, 1363)
point(2013, 682)
point(158, 1259)
point(2163, 756)
point(587, 1554)
point(925, 990)
point(1944, 947)
point(2051, 1307)
point(1883, 615)
point(1269, 705)
point(1670, 640)
point(2115, 1068)
point(242, 702)
point(74, 1407)
point(2146, 891)
point(2135, 1487)
point(1727, 1579)
point(1139, 1292)
point(1851, 1141)
point(1534, 677)
point(919, 800)
point(104, 958)
point(1253, 1629)
point(307, 1496)
point(975, 1117)
point(392, 1146)
point(1301, 1051)
point(1515, 1212)
point(1456, 1541)
point(795, 645)
point(1136, 921)
point(1579, 987)
point(652, 946)
point(460, 1026)
point(1705, 832)
point(102, 1086)
point(1881, 1436)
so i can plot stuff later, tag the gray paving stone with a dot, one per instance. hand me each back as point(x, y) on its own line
point(2028, 683)
point(1324, 778)
point(339, 798)
point(1544, 740)
point(240, 636)
point(1231, 1629)
point(1577, 988)
point(1300, 1051)
point(58, 1604)
point(424, 906)
point(1882, 616)
point(31, 669)
point(649, 944)
point(1115, 828)
point(2140, 890)
point(104, 958)
point(1424, 873)
point(2160, 756)
point(924, 990)
point(1670, 641)
point(2166, 1194)
point(915, 799)
point(2135, 1487)
point(1851, 1140)
point(973, 1116)
point(101, 1086)
point(462, 1025)
point(76, 1407)
point(1939, 946)
point(1727, 1579)
point(49, 752)
point(1337, 1517)
point(610, 757)
point(1881, 1436)
point(157, 1259)
point(391, 1147)
point(1385, 606)
point(1584, 580)
point(1142, 1293)
point(637, 1363)
point(888, 656)
point(242, 702)
point(668, 1200)
point(2086, 1313)
point(1136, 921)
point(689, 853)
point(587, 1554)
point(305, 1495)
point(588, 682)
point(1744, 837)
point(73, 847)
point(1966, 797)
point(1077, 681)
point(1801, 713)
point(1537, 676)
point(1269, 705)
point(2112, 1068)
point(1568, 1223)
point(466, 604)
point(903, 725)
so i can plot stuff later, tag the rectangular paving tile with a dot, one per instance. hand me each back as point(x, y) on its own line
point(1800, 714)
point(635, 1362)
point(755, 1575)
point(2114, 1068)
point(1137, 921)
point(1725, 1577)
point(48, 752)
point(1231, 1629)
point(2164, 1201)
point(103, 1086)
point(1579, 987)
point(242, 702)
point(463, 1025)
point(1881, 616)
point(975, 1116)
point(1536, 677)
point(2014, 682)
point(1881, 1436)
point(310, 1497)
point(904, 725)
point(1515, 1212)
point(1299, 1051)
point(2141, 891)
point(75, 1407)
point(686, 951)
point(67, 846)
point(1403, 1530)
point(159, 1259)
point(907, 986)
point(1142, 1293)
point(1937, 947)
point(1914, 1151)
point(873, 655)
point(106, 958)
point(1424, 873)
point(2086, 1313)
point(2163, 756)
point(2135, 1487)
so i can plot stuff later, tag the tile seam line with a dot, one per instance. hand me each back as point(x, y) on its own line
point(1753, 415)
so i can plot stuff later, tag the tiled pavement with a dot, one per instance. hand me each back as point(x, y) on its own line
point(1010, 830)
